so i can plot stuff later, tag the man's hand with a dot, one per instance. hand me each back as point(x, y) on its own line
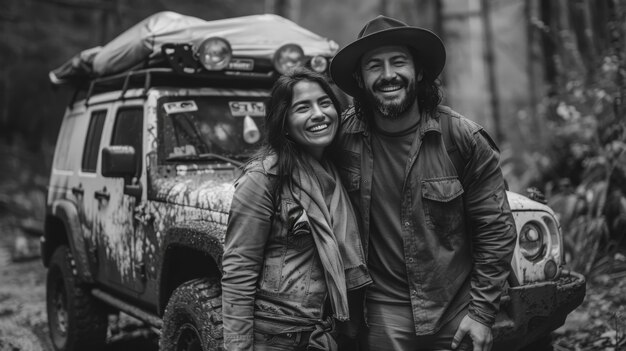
point(478, 332)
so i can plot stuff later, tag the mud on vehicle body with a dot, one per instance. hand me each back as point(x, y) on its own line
point(141, 186)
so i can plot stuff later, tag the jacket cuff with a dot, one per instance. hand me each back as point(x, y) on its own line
point(481, 317)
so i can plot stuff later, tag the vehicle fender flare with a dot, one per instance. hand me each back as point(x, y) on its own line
point(198, 237)
point(67, 212)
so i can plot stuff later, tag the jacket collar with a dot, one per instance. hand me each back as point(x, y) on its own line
point(428, 124)
point(353, 122)
point(270, 164)
point(267, 165)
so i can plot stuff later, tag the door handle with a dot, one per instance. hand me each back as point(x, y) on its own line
point(78, 190)
point(102, 194)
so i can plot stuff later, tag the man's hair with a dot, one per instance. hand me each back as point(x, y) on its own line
point(276, 140)
point(429, 94)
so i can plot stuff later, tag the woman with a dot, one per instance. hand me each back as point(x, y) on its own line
point(292, 247)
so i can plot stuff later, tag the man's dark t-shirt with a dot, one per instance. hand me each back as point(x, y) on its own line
point(386, 260)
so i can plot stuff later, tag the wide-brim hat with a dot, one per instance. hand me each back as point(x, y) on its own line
point(382, 31)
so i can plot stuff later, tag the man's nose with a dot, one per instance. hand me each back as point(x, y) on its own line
point(388, 71)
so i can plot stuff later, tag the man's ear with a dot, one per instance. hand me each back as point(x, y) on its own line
point(420, 75)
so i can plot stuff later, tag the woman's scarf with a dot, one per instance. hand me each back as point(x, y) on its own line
point(334, 228)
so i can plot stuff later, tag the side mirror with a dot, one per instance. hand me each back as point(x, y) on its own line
point(119, 161)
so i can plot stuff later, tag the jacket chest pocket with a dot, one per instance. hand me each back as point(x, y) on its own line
point(443, 207)
point(349, 167)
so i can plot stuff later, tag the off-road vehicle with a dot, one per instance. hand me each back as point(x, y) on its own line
point(142, 180)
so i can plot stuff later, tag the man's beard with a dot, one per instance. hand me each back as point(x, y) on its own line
point(393, 109)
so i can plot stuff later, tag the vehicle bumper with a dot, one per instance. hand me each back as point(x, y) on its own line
point(531, 311)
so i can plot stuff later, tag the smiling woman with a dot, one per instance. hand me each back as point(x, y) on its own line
point(313, 118)
point(292, 242)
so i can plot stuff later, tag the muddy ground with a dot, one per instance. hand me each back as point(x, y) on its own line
point(599, 324)
point(23, 321)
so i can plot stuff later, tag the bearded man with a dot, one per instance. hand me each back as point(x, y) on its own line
point(426, 182)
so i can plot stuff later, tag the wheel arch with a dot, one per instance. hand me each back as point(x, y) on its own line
point(62, 227)
point(191, 251)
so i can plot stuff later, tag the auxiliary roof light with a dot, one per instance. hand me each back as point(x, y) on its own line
point(319, 64)
point(214, 53)
point(288, 57)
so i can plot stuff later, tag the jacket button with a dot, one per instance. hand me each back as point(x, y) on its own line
point(410, 260)
point(406, 223)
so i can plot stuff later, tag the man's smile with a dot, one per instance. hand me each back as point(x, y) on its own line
point(389, 88)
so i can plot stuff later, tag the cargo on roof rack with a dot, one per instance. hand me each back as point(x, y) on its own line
point(255, 46)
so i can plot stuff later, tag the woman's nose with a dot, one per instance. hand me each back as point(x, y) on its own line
point(316, 113)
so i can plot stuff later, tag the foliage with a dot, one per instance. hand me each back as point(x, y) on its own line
point(582, 168)
point(589, 153)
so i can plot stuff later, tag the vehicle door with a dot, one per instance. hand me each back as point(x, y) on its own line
point(120, 243)
point(86, 182)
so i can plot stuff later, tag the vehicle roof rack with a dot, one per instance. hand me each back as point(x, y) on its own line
point(147, 78)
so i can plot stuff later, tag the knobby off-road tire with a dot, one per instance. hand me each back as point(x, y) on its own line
point(77, 321)
point(193, 317)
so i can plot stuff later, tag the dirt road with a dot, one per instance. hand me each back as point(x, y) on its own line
point(22, 303)
point(23, 320)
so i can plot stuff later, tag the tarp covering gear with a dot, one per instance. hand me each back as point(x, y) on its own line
point(257, 36)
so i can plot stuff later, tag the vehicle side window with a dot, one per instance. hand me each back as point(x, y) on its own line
point(92, 143)
point(128, 131)
point(64, 157)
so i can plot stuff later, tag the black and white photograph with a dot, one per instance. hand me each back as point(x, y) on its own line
point(331, 175)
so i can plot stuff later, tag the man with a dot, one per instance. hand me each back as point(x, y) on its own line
point(426, 182)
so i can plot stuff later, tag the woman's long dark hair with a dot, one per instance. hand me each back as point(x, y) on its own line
point(276, 141)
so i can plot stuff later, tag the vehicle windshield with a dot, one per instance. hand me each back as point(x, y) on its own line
point(209, 128)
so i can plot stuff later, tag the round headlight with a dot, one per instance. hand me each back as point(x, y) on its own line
point(532, 241)
point(288, 57)
point(214, 53)
point(319, 64)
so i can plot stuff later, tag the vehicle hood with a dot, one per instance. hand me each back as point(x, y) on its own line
point(203, 189)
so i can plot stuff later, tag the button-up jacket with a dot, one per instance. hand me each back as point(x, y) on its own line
point(273, 278)
point(456, 226)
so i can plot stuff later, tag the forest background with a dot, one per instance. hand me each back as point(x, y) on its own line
point(547, 78)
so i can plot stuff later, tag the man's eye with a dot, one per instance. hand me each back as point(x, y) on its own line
point(399, 63)
point(372, 66)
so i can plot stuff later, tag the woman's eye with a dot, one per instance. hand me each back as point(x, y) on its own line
point(301, 108)
point(326, 103)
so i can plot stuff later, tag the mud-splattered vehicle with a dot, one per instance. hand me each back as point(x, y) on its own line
point(141, 184)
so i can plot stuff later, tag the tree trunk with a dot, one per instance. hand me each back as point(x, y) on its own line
point(618, 43)
point(490, 60)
